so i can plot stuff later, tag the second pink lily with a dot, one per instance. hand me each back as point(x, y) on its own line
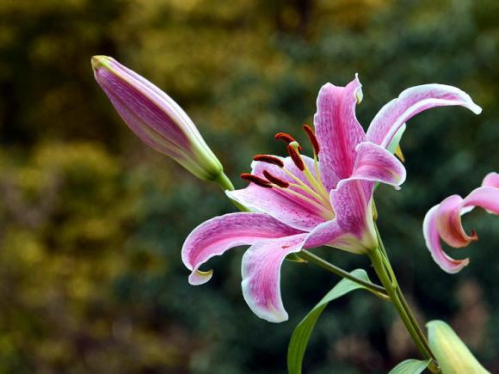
point(300, 202)
point(443, 221)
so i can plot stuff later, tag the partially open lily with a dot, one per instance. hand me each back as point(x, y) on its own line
point(443, 221)
point(156, 118)
point(301, 202)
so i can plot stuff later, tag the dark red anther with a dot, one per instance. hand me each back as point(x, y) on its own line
point(256, 180)
point(313, 139)
point(287, 138)
point(269, 160)
point(295, 156)
point(275, 180)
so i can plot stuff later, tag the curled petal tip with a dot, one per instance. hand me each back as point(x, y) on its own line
point(475, 108)
point(199, 277)
point(491, 180)
point(461, 264)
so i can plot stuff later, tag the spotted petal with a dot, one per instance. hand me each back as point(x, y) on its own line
point(353, 209)
point(331, 234)
point(411, 102)
point(261, 270)
point(337, 130)
point(375, 164)
point(301, 213)
point(215, 236)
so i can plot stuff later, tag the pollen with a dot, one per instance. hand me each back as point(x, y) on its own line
point(313, 139)
point(287, 138)
point(275, 180)
point(269, 160)
point(295, 156)
point(256, 180)
point(304, 184)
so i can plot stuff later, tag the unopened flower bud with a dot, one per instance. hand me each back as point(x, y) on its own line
point(156, 118)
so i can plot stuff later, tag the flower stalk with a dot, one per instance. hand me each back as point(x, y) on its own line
point(224, 182)
point(387, 277)
point(374, 288)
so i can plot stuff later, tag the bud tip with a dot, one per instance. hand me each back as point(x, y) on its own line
point(100, 61)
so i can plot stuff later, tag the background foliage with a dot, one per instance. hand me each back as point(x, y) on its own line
point(91, 221)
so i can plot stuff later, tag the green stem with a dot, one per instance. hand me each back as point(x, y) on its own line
point(389, 268)
point(224, 182)
point(374, 288)
point(226, 185)
point(386, 275)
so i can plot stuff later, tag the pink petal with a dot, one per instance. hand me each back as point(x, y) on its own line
point(217, 235)
point(261, 270)
point(289, 210)
point(337, 130)
point(432, 238)
point(278, 203)
point(449, 223)
point(491, 180)
point(374, 163)
point(411, 102)
point(484, 197)
point(332, 235)
point(353, 207)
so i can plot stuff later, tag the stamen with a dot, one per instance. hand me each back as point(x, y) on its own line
point(269, 160)
point(287, 138)
point(317, 184)
point(256, 180)
point(327, 214)
point(295, 156)
point(313, 139)
point(277, 181)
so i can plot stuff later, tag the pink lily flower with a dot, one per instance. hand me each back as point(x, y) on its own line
point(443, 221)
point(301, 202)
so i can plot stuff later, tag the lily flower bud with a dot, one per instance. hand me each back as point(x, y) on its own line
point(156, 118)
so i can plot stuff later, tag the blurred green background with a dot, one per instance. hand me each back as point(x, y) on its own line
point(92, 221)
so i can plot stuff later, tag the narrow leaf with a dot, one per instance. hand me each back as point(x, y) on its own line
point(410, 367)
point(302, 333)
point(452, 354)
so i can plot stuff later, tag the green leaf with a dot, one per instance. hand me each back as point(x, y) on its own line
point(410, 367)
point(302, 333)
point(452, 354)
